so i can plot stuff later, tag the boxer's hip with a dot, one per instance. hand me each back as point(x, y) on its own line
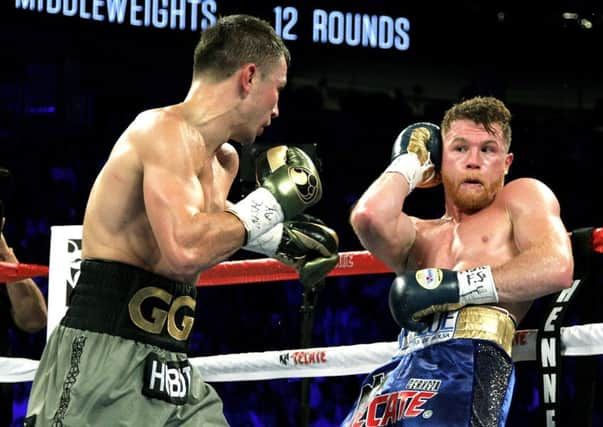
point(129, 302)
point(479, 322)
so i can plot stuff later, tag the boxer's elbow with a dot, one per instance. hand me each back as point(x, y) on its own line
point(32, 323)
point(564, 272)
point(183, 261)
point(189, 250)
point(183, 254)
point(365, 221)
point(557, 269)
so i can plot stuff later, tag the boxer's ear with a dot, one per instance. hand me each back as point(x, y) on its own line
point(508, 161)
point(247, 75)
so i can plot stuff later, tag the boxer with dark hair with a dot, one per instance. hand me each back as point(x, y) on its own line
point(157, 216)
point(464, 280)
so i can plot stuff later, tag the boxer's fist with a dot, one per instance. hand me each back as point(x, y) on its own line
point(309, 246)
point(417, 155)
point(288, 184)
point(304, 243)
point(291, 176)
point(416, 294)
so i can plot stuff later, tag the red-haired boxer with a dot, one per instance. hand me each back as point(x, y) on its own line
point(156, 217)
point(465, 279)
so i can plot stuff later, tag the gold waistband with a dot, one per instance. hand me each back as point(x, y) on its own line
point(486, 323)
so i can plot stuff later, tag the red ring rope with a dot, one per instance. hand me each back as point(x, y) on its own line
point(271, 270)
point(257, 270)
point(10, 272)
point(598, 240)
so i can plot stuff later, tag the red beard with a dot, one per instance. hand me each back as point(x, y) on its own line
point(471, 199)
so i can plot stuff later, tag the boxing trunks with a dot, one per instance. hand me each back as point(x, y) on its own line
point(457, 373)
point(118, 357)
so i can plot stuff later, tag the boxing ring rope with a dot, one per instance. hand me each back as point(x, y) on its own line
point(256, 270)
point(234, 272)
point(581, 340)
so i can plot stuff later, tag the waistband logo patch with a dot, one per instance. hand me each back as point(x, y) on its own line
point(158, 316)
point(166, 380)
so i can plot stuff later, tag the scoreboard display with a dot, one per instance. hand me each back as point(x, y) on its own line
point(366, 25)
point(369, 44)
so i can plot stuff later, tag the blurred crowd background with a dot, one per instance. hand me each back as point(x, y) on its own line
point(68, 88)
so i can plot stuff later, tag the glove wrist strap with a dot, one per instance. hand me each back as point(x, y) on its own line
point(409, 166)
point(476, 286)
point(267, 243)
point(259, 212)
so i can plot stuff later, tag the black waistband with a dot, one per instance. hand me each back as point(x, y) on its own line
point(127, 301)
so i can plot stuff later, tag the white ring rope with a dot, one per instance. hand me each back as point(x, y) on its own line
point(582, 340)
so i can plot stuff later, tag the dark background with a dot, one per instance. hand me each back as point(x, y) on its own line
point(68, 88)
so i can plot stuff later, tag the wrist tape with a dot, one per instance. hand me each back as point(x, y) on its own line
point(409, 166)
point(476, 286)
point(259, 211)
point(268, 242)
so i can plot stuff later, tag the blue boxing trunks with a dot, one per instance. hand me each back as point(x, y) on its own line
point(458, 373)
point(118, 358)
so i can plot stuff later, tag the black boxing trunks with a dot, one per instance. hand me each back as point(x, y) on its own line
point(119, 357)
point(457, 373)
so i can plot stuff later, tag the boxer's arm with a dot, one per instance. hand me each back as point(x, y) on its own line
point(377, 218)
point(544, 264)
point(28, 306)
point(380, 224)
point(189, 237)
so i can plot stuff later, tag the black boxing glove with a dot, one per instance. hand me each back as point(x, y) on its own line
point(417, 155)
point(416, 294)
point(305, 243)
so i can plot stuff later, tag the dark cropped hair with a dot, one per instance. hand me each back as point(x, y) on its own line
point(483, 110)
point(236, 40)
